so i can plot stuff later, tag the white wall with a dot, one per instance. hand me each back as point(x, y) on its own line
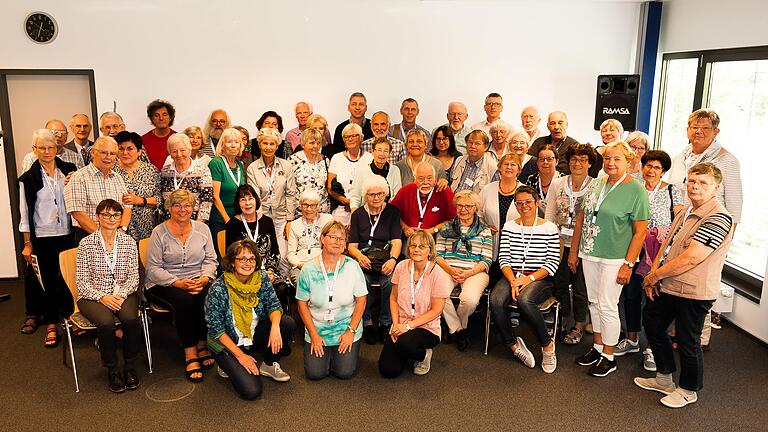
point(691, 25)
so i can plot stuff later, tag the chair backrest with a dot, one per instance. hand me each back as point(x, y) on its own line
point(68, 266)
point(221, 242)
point(143, 247)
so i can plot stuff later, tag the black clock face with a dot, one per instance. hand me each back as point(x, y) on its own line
point(40, 27)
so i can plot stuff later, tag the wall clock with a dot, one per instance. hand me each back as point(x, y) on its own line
point(41, 27)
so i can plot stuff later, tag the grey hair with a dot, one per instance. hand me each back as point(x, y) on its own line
point(178, 138)
point(352, 127)
point(500, 124)
point(309, 105)
point(639, 135)
point(416, 131)
point(269, 133)
point(375, 182)
point(44, 135)
point(309, 194)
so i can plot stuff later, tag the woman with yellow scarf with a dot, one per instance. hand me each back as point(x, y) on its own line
point(244, 316)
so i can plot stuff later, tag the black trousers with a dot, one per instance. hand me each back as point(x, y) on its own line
point(187, 312)
point(411, 346)
point(103, 318)
point(55, 302)
point(688, 316)
point(564, 278)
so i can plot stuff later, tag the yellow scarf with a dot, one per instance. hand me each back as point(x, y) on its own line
point(244, 297)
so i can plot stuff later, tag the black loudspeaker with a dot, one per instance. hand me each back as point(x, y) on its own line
point(617, 99)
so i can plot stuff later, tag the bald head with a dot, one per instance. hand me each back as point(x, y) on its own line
point(557, 123)
point(81, 126)
point(59, 130)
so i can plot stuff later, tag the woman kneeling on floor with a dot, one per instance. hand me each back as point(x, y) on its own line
point(419, 290)
point(244, 315)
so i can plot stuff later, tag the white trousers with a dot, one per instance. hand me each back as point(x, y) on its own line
point(471, 291)
point(603, 293)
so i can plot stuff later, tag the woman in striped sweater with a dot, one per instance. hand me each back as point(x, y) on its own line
point(528, 255)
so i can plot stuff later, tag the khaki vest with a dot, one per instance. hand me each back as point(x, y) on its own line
point(702, 282)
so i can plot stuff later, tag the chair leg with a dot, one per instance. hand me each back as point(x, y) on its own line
point(487, 322)
point(147, 342)
point(558, 327)
point(67, 329)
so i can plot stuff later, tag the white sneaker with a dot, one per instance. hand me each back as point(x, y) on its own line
point(548, 361)
point(274, 372)
point(679, 399)
point(653, 385)
point(422, 367)
point(221, 372)
point(649, 363)
point(626, 346)
point(524, 354)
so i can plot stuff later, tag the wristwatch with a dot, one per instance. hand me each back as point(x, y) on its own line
point(436, 230)
point(532, 278)
point(408, 326)
point(629, 264)
point(124, 228)
point(351, 330)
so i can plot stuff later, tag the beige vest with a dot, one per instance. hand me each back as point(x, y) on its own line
point(702, 282)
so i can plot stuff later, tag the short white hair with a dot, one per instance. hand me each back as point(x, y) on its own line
point(295, 107)
point(309, 194)
point(43, 135)
point(375, 181)
point(176, 139)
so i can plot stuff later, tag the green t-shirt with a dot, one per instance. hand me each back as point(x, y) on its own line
point(607, 236)
point(219, 168)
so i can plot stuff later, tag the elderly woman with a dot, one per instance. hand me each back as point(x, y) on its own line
point(443, 149)
point(419, 291)
point(181, 262)
point(271, 120)
point(465, 251)
point(227, 174)
point(475, 170)
point(496, 198)
point(608, 235)
point(564, 200)
point(310, 171)
point(416, 145)
point(249, 223)
point(546, 172)
point(244, 316)
point(638, 142)
point(682, 285)
point(519, 144)
point(182, 173)
point(196, 140)
point(107, 280)
point(245, 157)
point(499, 132)
point(142, 181)
point(528, 255)
point(374, 241)
point(47, 231)
point(664, 201)
point(434, 207)
point(342, 170)
point(380, 167)
point(304, 232)
point(331, 296)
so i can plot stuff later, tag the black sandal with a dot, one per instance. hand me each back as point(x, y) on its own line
point(31, 323)
point(190, 372)
point(205, 358)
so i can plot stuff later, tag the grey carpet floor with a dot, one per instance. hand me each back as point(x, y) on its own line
point(464, 391)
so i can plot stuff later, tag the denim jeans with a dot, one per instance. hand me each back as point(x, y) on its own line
point(332, 362)
point(377, 303)
point(527, 303)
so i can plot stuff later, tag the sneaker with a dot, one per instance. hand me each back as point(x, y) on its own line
point(524, 354)
point(274, 372)
point(422, 367)
point(589, 358)
point(679, 399)
point(221, 372)
point(626, 346)
point(714, 321)
point(603, 367)
point(548, 361)
point(653, 385)
point(649, 363)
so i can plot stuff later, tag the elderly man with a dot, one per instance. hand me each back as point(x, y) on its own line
point(161, 114)
point(59, 131)
point(409, 110)
point(530, 119)
point(416, 145)
point(357, 106)
point(380, 127)
point(80, 125)
point(218, 120)
point(293, 137)
point(93, 184)
point(684, 282)
point(457, 115)
point(493, 107)
point(557, 123)
point(111, 123)
point(477, 168)
point(422, 205)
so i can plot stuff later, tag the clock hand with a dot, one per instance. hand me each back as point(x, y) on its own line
point(40, 30)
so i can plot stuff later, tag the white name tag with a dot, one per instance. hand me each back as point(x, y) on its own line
point(329, 316)
point(566, 231)
point(469, 182)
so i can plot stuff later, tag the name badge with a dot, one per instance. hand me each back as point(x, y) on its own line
point(566, 231)
point(329, 316)
point(469, 182)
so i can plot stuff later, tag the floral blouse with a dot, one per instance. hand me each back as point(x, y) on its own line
point(311, 176)
point(197, 179)
point(145, 183)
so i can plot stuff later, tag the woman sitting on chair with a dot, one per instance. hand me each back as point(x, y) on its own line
point(107, 280)
point(243, 316)
point(181, 263)
point(304, 232)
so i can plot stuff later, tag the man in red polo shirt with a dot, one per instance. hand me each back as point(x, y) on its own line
point(421, 205)
point(161, 114)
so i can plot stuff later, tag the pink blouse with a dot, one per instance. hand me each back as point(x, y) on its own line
point(436, 284)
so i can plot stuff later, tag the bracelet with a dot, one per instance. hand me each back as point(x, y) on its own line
point(144, 199)
point(28, 242)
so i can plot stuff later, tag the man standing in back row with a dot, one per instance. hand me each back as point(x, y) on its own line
point(357, 107)
point(161, 114)
point(409, 109)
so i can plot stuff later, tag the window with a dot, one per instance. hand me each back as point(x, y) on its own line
point(735, 84)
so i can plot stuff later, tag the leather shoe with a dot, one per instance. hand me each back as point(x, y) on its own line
point(369, 334)
point(132, 381)
point(462, 340)
point(116, 384)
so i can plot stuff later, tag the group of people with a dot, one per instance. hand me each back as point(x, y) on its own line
point(372, 232)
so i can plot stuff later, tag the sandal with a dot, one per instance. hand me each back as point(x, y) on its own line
point(205, 358)
point(573, 337)
point(31, 323)
point(51, 338)
point(190, 372)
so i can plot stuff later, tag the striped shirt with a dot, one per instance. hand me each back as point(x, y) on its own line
point(713, 230)
point(527, 249)
point(482, 250)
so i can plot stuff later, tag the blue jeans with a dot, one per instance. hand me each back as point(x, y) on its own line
point(377, 303)
point(527, 303)
point(332, 362)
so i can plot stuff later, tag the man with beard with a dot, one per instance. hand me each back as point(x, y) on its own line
point(218, 120)
point(457, 115)
point(380, 127)
point(530, 120)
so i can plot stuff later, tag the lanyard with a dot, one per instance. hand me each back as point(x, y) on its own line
point(604, 194)
point(331, 286)
point(309, 235)
point(251, 235)
point(415, 288)
point(353, 168)
point(235, 180)
point(111, 260)
point(572, 197)
point(177, 184)
point(652, 194)
point(270, 175)
point(52, 184)
point(530, 239)
point(423, 210)
point(408, 161)
point(374, 225)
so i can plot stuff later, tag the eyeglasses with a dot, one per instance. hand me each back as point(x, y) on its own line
point(419, 246)
point(547, 159)
point(112, 127)
point(425, 179)
point(218, 121)
point(246, 260)
point(690, 128)
point(580, 160)
point(58, 132)
point(106, 153)
point(443, 138)
point(46, 149)
point(465, 206)
point(637, 149)
point(308, 206)
point(525, 202)
point(654, 167)
point(113, 216)
point(181, 206)
point(350, 137)
point(475, 144)
point(376, 194)
point(337, 239)
point(493, 104)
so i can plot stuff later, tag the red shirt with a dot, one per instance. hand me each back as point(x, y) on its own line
point(439, 208)
point(156, 147)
